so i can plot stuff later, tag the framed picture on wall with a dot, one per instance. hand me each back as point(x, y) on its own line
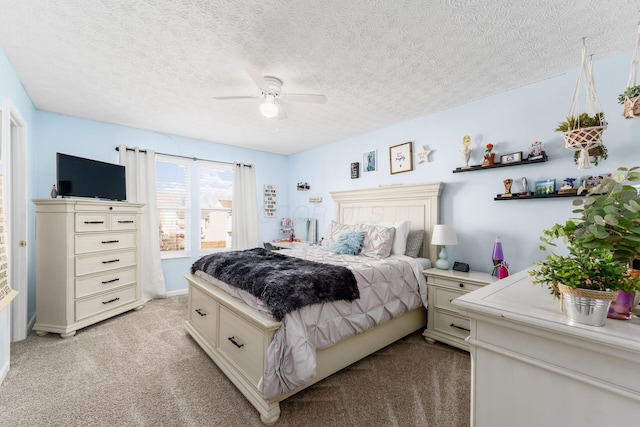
point(370, 161)
point(548, 186)
point(355, 170)
point(401, 158)
point(511, 158)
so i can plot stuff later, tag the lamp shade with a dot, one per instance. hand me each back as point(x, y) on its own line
point(444, 235)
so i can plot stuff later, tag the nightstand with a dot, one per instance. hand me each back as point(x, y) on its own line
point(444, 322)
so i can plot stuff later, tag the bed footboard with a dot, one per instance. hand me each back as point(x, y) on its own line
point(236, 337)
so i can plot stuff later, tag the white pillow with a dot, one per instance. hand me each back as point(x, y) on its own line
point(400, 239)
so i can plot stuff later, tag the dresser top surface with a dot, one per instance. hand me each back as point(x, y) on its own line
point(517, 299)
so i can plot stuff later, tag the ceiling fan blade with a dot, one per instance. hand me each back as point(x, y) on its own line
point(282, 114)
point(258, 78)
point(235, 97)
point(305, 97)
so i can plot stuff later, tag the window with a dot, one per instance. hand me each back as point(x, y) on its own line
point(206, 204)
point(173, 197)
point(215, 187)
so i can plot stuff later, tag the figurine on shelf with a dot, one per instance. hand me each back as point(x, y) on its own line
point(466, 153)
point(507, 188)
point(568, 188)
point(489, 156)
point(536, 151)
point(524, 191)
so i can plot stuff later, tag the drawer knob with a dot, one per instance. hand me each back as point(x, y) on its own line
point(199, 311)
point(110, 241)
point(110, 301)
point(125, 222)
point(110, 261)
point(459, 327)
point(110, 281)
point(94, 222)
point(461, 285)
point(233, 341)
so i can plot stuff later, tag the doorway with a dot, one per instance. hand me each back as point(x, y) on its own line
point(15, 135)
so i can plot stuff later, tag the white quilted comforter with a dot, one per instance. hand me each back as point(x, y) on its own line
point(388, 287)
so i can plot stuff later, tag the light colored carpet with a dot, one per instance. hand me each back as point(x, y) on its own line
point(142, 369)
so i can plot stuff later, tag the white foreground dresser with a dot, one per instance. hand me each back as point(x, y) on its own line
point(86, 262)
point(531, 367)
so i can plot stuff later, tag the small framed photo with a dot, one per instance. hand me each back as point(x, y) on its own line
point(510, 158)
point(370, 161)
point(355, 170)
point(547, 186)
point(401, 158)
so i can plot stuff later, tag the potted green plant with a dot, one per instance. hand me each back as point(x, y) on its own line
point(583, 134)
point(586, 282)
point(629, 98)
point(608, 221)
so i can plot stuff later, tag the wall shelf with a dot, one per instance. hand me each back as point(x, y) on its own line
point(501, 165)
point(539, 196)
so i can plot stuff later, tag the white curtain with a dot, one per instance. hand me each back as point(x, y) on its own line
point(244, 223)
point(140, 169)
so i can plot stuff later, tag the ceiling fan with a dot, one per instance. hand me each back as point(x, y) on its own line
point(271, 91)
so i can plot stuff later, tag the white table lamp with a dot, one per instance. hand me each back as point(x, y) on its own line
point(443, 235)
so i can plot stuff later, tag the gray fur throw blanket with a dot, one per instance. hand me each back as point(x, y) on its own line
point(283, 283)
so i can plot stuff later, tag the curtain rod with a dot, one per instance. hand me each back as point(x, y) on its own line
point(184, 157)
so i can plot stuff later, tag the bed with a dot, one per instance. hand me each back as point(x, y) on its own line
point(240, 335)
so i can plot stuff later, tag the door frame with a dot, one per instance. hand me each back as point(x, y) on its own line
point(14, 127)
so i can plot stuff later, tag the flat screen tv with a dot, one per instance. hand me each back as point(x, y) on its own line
point(80, 177)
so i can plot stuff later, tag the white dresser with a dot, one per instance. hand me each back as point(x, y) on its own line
point(531, 367)
point(86, 262)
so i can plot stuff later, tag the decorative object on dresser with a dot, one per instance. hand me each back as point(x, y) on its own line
point(444, 322)
point(523, 350)
point(86, 262)
point(603, 238)
point(443, 235)
point(241, 337)
point(582, 132)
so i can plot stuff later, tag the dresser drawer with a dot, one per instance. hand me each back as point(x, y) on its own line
point(89, 264)
point(89, 285)
point(92, 222)
point(202, 313)
point(444, 296)
point(242, 343)
point(124, 221)
point(451, 324)
point(454, 283)
point(86, 243)
point(104, 302)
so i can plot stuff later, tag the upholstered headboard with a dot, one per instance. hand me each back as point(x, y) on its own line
point(418, 203)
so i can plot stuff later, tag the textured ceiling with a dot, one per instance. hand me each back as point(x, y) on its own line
point(157, 65)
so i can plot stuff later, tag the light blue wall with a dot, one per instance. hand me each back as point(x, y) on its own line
point(11, 89)
point(510, 120)
point(97, 140)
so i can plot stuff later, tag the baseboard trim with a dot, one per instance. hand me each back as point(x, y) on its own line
point(4, 370)
point(178, 292)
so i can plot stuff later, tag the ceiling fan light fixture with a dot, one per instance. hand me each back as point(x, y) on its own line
point(269, 108)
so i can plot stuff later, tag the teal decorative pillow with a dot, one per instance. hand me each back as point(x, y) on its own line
point(348, 243)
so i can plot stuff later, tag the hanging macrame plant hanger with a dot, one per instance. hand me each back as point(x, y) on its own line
point(579, 138)
point(632, 105)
